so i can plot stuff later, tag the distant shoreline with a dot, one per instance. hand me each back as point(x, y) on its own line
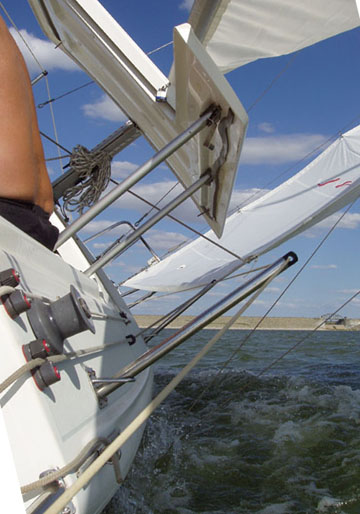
point(249, 322)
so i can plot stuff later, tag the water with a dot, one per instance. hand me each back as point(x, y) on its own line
point(284, 442)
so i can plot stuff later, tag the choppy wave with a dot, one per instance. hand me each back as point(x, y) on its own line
point(284, 443)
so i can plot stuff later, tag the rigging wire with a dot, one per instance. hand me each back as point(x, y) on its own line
point(256, 101)
point(41, 105)
point(55, 158)
point(305, 338)
point(22, 37)
point(219, 281)
point(45, 74)
point(56, 143)
point(290, 168)
point(197, 232)
point(160, 48)
point(120, 440)
point(274, 80)
point(51, 100)
point(246, 339)
point(137, 223)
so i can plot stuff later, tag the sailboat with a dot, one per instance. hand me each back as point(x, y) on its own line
point(76, 384)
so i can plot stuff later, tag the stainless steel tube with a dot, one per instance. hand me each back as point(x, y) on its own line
point(126, 184)
point(219, 308)
point(113, 252)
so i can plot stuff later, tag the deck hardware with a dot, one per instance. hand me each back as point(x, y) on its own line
point(119, 239)
point(124, 317)
point(9, 277)
point(50, 494)
point(39, 77)
point(16, 303)
point(46, 375)
point(115, 461)
point(120, 380)
point(161, 94)
point(207, 143)
point(105, 382)
point(38, 348)
point(131, 339)
point(96, 382)
point(60, 319)
point(202, 320)
point(92, 376)
point(91, 372)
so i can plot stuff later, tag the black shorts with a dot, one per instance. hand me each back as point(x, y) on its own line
point(31, 219)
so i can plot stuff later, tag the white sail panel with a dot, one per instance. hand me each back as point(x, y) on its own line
point(326, 185)
point(236, 32)
point(92, 38)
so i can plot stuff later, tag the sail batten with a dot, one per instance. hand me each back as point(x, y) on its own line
point(324, 186)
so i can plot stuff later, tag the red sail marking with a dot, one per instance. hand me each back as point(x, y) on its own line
point(347, 183)
point(329, 182)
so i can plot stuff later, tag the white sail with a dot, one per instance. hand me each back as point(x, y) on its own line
point(236, 32)
point(93, 39)
point(324, 186)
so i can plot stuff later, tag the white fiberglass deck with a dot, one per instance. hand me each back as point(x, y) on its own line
point(47, 429)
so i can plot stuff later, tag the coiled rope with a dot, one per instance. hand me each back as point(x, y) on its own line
point(94, 171)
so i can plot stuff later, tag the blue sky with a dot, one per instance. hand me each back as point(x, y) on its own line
point(316, 97)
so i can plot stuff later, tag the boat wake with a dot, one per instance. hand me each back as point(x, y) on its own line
point(268, 445)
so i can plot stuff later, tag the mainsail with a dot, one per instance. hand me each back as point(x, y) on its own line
point(236, 32)
point(324, 186)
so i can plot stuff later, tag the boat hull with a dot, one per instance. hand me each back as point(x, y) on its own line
point(48, 429)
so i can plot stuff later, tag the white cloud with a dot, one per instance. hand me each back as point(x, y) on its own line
point(95, 226)
point(50, 58)
point(272, 290)
point(241, 197)
point(279, 149)
point(187, 212)
point(161, 240)
point(266, 127)
point(105, 109)
point(100, 246)
point(122, 169)
point(323, 266)
point(350, 221)
point(186, 4)
point(157, 239)
point(260, 302)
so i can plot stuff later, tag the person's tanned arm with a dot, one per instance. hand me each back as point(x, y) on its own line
point(23, 174)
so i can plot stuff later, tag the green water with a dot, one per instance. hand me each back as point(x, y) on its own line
point(284, 442)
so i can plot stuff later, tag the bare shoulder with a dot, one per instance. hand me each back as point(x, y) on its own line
point(16, 154)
